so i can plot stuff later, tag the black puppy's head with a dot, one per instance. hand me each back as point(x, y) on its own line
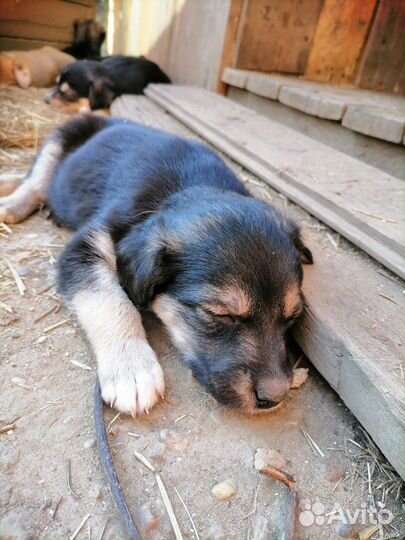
point(84, 79)
point(223, 272)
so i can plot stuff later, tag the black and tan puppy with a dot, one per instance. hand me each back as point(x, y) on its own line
point(101, 82)
point(88, 37)
point(164, 225)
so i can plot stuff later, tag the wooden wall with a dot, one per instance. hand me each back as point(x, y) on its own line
point(185, 37)
point(27, 24)
point(343, 42)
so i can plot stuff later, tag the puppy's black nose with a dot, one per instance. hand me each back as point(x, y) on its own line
point(262, 402)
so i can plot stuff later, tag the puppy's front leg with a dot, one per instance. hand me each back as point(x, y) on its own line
point(130, 375)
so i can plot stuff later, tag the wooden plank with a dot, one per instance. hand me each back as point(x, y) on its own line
point(231, 41)
point(310, 102)
point(235, 77)
point(328, 101)
point(39, 31)
point(53, 12)
point(377, 122)
point(277, 35)
point(15, 44)
point(353, 334)
point(384, 54)
point(191, 43)
point(339, 39)
point(46, 21)
point(360, 202)
point(380, 154)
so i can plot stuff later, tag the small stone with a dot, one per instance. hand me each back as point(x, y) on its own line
point(300, 375)
point(41, 339)
point(224, 490)
point(147, 520)
point(268, 457)
point(89, 443)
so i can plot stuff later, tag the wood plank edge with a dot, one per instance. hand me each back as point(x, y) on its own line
point(383, 249)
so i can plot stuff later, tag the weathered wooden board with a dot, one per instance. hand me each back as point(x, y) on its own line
point(360, 202)
point(277, 35)
point(380, 154)
point(14, 44)
point(236, 77)
point(339, 39)
point(327, 101)
point(231, 42)
point(312, 102)
point(377, 122)
point(382, 64)
point(48, 21)
point(352, 332)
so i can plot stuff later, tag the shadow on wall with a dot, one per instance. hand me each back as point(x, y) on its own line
point(185, 37)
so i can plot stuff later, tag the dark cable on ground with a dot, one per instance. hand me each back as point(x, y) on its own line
point(106, 460)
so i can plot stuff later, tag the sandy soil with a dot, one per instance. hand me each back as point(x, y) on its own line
point(50, 475)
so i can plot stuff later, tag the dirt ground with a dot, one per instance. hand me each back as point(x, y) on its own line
point(50, 475)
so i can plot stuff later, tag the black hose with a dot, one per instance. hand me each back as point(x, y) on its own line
point(106, 460)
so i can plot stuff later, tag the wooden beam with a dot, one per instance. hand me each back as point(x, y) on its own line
point(339, 40)
point(277, 35)
point(231, 41)
point(382, 66)
point(48, 22)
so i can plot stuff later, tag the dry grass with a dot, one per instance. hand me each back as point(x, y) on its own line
point(24, 122)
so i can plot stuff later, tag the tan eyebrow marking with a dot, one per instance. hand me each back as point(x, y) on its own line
point(292, 301)
point(231, 300)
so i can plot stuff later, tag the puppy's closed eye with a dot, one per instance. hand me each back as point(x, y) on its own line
point(218, 316)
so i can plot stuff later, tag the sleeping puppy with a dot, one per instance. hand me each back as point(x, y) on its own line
point(38, 67)
point(101, 82)
point(162, 224)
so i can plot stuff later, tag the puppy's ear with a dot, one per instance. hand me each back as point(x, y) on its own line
point(305, 253)
point(145, 262)
point(101, 94)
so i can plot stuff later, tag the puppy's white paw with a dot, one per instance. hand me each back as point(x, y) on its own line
point(13, 209)
point(131, 378)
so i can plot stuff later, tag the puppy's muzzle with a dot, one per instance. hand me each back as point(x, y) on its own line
point(271, 392)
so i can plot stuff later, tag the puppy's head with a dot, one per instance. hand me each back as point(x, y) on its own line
point(82, 79)
point(223, 272)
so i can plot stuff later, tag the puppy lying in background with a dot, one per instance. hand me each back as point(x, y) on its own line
point(39, 67)
point(101, 82)
point(88, 37)
point(162, 224)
